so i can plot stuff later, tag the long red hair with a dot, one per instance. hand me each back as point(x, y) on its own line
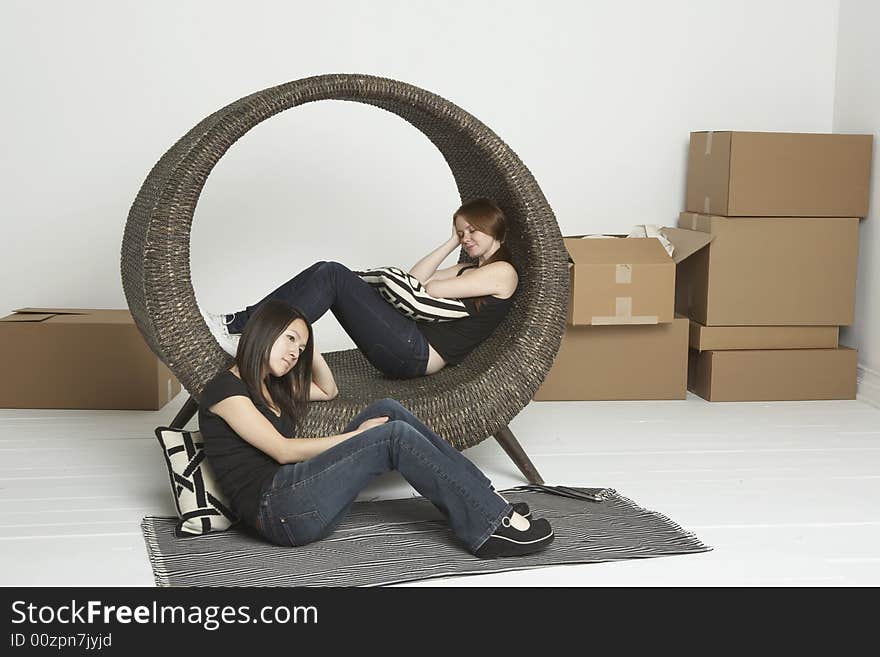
point(485, 216)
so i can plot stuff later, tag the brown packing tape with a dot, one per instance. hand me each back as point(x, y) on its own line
point(623, 273)
point(635, 319)
point(623, 315)
point(706, 205)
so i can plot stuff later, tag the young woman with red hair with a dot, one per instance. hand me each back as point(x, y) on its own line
point(396, 345)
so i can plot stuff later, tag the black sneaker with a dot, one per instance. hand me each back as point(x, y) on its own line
point(508, 541)
point(522, 509)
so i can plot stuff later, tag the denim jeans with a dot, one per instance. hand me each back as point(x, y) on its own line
point(391, 342)
point(308, 500)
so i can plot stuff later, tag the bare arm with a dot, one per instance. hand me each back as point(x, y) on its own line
point(243, 417)
point(425, 268)
point(323, 384)
point(497, 278)
point(448, 272)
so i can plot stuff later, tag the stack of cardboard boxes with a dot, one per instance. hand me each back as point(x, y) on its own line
point(767, 297)
point(623, 339)
point(748, 306)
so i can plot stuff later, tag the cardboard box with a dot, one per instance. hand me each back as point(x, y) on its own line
point(779, 174)
point(619, 362)
point(80, 358)
point(626, 280)
point(770, 271)
point(773, 374)
point(724, 338)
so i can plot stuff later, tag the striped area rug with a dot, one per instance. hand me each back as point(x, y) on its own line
point(391, 541)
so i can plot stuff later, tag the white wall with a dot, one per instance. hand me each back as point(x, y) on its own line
point(597, 98)
point(857, 110)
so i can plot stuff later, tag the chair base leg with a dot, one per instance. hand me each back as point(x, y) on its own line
point(185, 414)
point(514, 450)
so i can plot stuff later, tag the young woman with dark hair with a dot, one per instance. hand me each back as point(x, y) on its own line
point(294, 491)
point(396, 345)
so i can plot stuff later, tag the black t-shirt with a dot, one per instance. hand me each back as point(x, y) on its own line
point(242, 470)
point(456, 339)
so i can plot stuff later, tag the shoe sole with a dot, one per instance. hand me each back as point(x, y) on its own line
point(510, 540)
point(494, 550)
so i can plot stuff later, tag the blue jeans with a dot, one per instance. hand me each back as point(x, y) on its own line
point(391, 342)
point(308, 500)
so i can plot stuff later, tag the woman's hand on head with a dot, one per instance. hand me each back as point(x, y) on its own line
point(455, 238)
point(372, 422)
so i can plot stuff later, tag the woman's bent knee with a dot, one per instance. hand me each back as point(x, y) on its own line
point(315, 266)
point(392, 404)
point(333, 266)
point(407, 432)
point(380, 407)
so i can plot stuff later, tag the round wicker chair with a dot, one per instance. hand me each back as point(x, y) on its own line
point(464, 403)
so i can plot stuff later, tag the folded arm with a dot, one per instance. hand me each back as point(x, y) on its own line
point(323, 384)
point(252, 426)
point(424, 269)
point(497, 278)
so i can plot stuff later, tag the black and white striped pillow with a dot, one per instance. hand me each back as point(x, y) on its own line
point(409, 297)
point(201, 505)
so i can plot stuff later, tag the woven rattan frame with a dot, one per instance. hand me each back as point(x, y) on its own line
point(464, 403)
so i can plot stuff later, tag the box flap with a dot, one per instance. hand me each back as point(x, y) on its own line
point(85, 316)
point(611, 251)
point(57, 311)
point(686, 242)
point(42, 314)
point(27, 317)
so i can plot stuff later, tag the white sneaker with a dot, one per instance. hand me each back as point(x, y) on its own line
point(218, 326)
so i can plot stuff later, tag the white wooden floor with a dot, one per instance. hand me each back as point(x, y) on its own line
point(786, 493)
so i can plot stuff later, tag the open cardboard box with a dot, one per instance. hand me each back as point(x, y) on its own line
point(627, 280)
point(80, 358)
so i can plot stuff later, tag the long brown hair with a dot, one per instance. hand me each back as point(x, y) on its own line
point(485, 216)
point(290, 391)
